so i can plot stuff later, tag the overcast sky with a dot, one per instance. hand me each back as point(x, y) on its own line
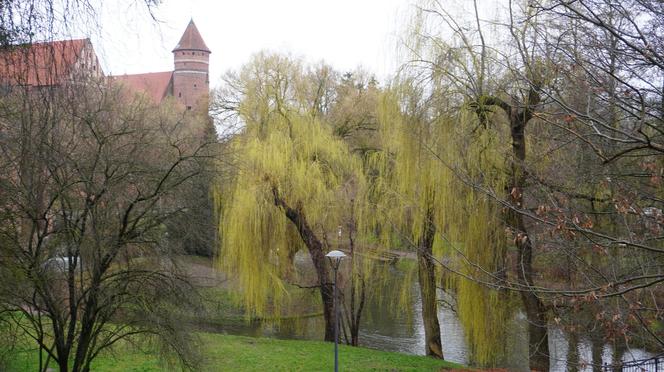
point(344, 33)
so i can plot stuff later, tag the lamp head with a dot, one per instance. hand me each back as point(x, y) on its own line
point(335, 258)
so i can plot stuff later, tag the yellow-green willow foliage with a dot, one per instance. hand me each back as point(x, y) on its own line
point(288, 150)
point(434, 162)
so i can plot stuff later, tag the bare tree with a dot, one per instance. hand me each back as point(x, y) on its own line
point(89, 180)
point(24, 21)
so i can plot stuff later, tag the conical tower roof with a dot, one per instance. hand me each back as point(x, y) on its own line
point(191, 39)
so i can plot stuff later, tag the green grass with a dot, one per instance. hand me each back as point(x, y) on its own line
point(239, 353)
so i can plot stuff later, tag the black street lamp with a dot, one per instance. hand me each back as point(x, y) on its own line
point(335, 258)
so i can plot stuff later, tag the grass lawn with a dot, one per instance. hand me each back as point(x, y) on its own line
point(239, 353)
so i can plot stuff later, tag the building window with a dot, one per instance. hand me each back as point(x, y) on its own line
point(180, 94)
point(194, 85)
point(188, 107)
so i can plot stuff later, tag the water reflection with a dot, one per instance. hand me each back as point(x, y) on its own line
point(559, 347)
point(404, 331)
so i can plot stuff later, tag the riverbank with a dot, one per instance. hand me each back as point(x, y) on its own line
point(238, 353)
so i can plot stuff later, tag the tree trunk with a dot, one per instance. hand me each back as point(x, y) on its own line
point(537, 332)
point(63, 364)
point(427, 276)
point(619, 348)
point(572, 352)
point(62, 349)
point(355, 311)
point(597, 348)
point(535, 310)
point(353, 315)
point(355, 330)
point(315, 247)
point(533, 306)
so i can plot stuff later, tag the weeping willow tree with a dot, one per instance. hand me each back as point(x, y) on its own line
point(291, 187)
point(420, 195)
point(474, 237)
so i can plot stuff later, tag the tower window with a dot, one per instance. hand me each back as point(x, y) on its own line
point(188, 107)
point(180, 94)
point(194, 85)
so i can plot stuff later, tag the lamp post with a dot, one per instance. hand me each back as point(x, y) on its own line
point(335, 258)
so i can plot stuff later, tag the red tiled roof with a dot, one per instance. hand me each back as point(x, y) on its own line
point(154, 84)
point(191, 39)
point(40, 64)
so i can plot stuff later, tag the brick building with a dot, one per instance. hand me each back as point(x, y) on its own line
point(48, 64)
point(189, 82)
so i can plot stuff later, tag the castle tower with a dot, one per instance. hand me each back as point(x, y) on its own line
point(191, 82)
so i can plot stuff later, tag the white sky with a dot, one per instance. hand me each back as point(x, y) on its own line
point(344, 33)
